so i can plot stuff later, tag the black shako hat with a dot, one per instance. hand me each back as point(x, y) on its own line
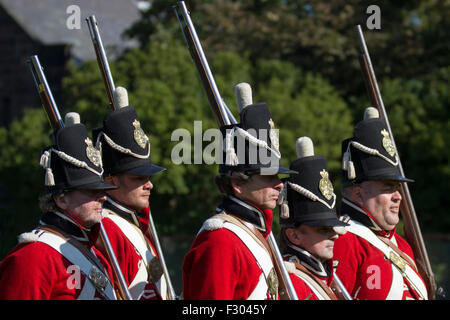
point(125, 146)
point(308, 197)
point(73, 162)
point(252, 147)
point(370, 154)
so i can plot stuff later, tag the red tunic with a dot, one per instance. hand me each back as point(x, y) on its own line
point(303, 291)
point(127, 255)
point(219, 266)
point(128, 258)
point(35, 271)
point(363, 269)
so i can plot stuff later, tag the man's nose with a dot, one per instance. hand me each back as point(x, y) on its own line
point(148, 185)
point(278, 184)
point(397, 196)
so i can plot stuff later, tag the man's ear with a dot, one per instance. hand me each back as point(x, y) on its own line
point(112, 180)
point(292, 235)
point(237, 186)
point(61, 201)
point(357, 196)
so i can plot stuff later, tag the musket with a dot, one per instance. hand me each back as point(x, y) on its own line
point(223, 117)
point(56, 122)
point(411, 224)
point(109, 85)
point(341, 287)
point(102, 59)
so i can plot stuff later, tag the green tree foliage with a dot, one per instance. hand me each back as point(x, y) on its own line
point(317, 35)
point(21, 177)
point(419, 113)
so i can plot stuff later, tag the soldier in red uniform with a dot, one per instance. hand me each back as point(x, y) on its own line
point(310, 226)
point(229, 258)
point(58, 260)
point(126, 157)
point(374, 262)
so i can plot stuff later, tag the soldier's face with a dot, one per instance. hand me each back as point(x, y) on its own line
point(83, 206)
point(134, 191)
point(382, 199)
point(260, 190)
point(319, 241)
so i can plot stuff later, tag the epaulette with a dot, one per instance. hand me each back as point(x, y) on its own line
point(27, 237)
point(213, 223)
point(290, 266)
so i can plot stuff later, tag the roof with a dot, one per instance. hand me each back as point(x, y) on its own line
point(46, 21)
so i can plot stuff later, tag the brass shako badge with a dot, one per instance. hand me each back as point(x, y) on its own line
point(387, 143)
point(325, 185)
point(93, 153)
point(139, 134)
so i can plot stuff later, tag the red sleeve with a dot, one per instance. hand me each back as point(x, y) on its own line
point(218, 267)
point(346, 253)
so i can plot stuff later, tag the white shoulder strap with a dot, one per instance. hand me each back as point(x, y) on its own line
point(407, 272)
point(137, 239)
point(259, 252)
point(134, 236)
point(77, 258)
point(262, 257)
point(308, 280)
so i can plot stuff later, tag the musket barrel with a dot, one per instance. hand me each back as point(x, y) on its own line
point(374, 83)
point(123, 288)
point(291, 293)
point(341, 287)
point(171, 291)
point(48, 102)
point(102, 59)
point(191, 35)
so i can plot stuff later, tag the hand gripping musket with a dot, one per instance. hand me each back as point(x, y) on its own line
point(110, 89)
point(411, 224)
point(56, 122)
point(224, 116)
